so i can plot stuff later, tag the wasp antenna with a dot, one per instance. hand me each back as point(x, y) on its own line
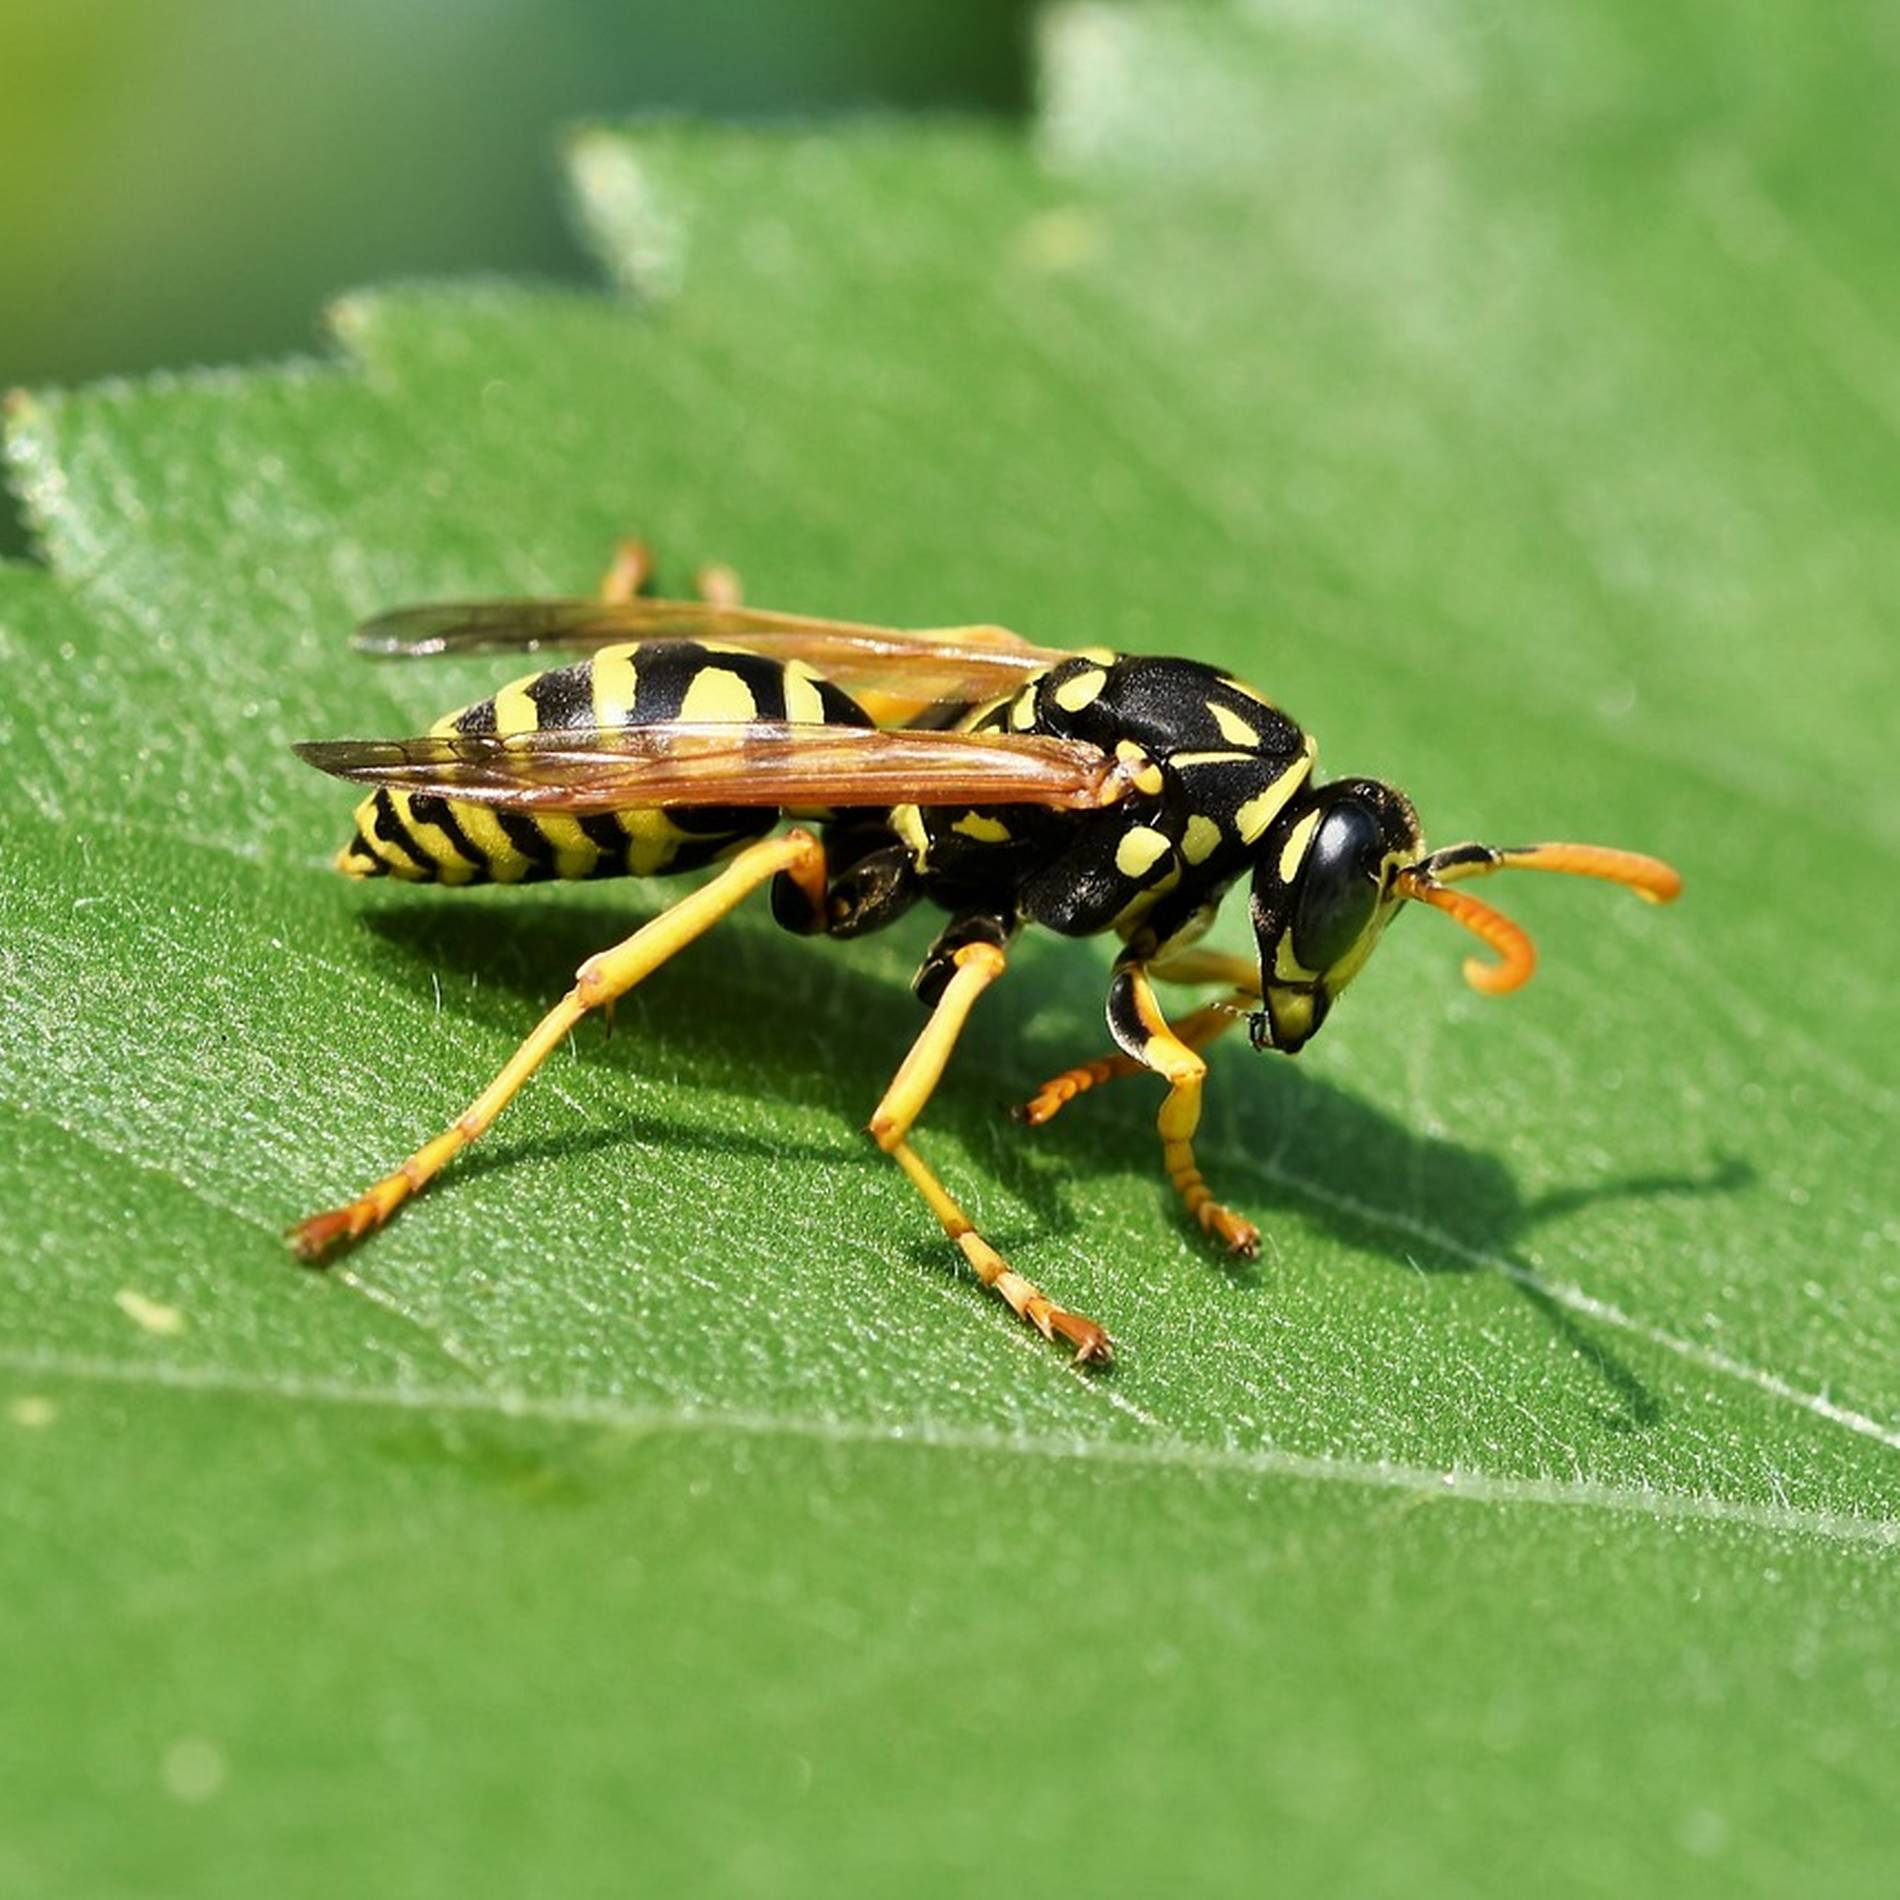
point(1650, 878)
point(1516, 954)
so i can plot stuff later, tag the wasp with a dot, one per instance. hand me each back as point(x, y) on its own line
point(1085, 792)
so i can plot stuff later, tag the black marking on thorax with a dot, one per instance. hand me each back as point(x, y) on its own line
point(1210, 761)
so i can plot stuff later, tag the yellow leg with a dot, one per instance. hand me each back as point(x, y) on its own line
point(1210, 966)
point(718, 586)
point(632, 568)
point(1174, 1054)
point(1199, 1030)
point(1184, 1070)
point(598, 982)
point(978, 965)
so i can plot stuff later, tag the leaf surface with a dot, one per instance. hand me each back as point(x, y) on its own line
point(1510, 401)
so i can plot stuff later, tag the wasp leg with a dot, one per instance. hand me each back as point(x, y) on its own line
point(1210, 966)
point(874, 882)
point(1136, 1022)
point(599, 982)
point(718, 585)
point(1199, 1030)
point(631, 571)
point(975, 967)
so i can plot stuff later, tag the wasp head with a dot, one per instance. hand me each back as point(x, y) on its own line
point(1325, 886)
point(1335, 868)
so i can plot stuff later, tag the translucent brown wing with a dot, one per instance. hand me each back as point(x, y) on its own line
point(765, 762)
point(911, 669)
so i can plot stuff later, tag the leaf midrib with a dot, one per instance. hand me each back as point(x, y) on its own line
point(1685, 1509)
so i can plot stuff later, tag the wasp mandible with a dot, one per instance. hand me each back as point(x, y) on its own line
point(1008, 784)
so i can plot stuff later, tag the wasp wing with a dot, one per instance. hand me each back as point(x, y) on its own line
point(907, 670)
point(763, 762)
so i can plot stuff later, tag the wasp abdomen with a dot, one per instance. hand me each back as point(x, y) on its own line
point(426, 838)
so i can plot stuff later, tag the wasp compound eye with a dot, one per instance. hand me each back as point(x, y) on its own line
point(1339, 885)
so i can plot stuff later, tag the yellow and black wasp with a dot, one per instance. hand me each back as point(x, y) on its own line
point(1008, 784)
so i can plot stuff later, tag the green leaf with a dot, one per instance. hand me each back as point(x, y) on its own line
point(656, 1501)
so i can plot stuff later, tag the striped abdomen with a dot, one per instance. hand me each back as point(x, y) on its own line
point(430, 839)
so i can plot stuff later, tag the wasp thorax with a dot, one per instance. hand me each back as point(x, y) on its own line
point(1322, 893)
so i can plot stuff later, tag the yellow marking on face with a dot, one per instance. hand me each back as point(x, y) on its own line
point(1073, 694)
point(718, 696)
point(1354, 960)
point(804, 704)
point(1200, 840)
point(1232, 727)
point(1291, 1013)
point(1293, 852)
point(514, 710)
point(1252, 819)
point(506, 865)
point(1142, 770)
point(1140, 847)
point(1022, 712)
point(1287, 966)
point(984, 830)
point(615, 682)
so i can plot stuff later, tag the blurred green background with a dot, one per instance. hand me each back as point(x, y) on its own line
point(189, 183)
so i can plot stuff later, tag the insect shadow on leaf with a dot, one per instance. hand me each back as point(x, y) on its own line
point(1462, 1211)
